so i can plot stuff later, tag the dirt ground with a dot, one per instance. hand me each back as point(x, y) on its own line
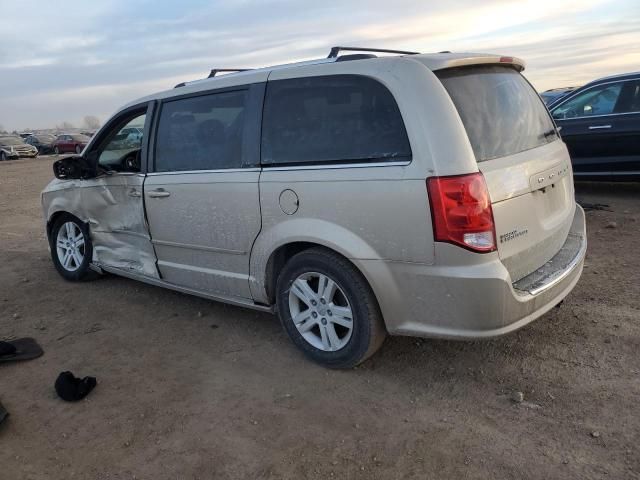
point(192, 389)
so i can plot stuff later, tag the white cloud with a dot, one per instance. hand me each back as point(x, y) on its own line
point(84, 58)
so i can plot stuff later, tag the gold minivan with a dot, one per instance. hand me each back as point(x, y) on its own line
point(355, 196)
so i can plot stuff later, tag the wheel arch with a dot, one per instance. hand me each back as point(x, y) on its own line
point(53, 217)
point(283, 253)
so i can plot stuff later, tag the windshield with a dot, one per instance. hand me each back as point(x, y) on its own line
point(502, 113)
point(11, 141)
point(45, 138)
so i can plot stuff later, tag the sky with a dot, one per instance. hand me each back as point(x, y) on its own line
point(61, 61)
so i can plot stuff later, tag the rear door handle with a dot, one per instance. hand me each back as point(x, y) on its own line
point(159, 193)
point(599, 127)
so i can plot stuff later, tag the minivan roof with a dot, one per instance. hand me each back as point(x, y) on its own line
point(433, 61)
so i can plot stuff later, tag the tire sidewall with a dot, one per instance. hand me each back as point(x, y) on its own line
point(84, 270)
point(351, 284)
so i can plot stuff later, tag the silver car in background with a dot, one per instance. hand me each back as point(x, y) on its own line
point(356, 196)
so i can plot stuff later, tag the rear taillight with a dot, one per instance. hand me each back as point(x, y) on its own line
point(461, 211)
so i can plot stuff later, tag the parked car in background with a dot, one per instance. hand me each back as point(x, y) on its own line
point(600, 123)
point(12, 146)
point(133, 135)
point(353, 195)
point(25, 134)
point(70, 142)
point(43, 142)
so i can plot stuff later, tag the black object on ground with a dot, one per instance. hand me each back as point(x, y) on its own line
point(3, 414)
point(70, 388)
point(20, 349)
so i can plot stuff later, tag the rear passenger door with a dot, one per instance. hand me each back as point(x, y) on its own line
point(595, 129)
point(201, 197)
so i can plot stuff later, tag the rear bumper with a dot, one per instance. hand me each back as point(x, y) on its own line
point(470, 299)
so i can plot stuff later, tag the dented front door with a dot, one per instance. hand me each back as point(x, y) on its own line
point(114, 209)
point(113, 203)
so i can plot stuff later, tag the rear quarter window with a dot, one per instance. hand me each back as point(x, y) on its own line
point(332, 119)
point(501, 112)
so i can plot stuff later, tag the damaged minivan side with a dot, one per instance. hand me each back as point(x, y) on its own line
point(354, 196)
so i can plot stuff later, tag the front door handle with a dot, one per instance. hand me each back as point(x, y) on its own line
point(599, 127)
point(159, 193)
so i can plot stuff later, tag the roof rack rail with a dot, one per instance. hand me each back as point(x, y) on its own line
point(218, 70)
point(215, 71)
point(336, 50)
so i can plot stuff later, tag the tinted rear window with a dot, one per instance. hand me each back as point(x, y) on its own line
point(502, 113)
point(332, 119)
point(201, 133)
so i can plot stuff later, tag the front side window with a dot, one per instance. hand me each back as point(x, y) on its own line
point(332, 119)
point(122, 152)
point(599, 100)
point(201, 133)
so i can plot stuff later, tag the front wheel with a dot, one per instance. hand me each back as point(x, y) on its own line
point(328, 309)
point(3, 156)
point(71, 248)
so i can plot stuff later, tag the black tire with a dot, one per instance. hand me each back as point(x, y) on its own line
point(78, 149)
point(368, 331)
point(56, 150)
point(3, 157)
point(82, 272)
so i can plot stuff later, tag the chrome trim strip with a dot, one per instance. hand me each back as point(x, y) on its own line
point(196, 172)
point(198, 247)
point(554, 280)
point(241, 302)
point(335, 166)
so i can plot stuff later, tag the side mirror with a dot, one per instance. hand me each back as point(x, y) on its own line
point(74, 167)
point(588, 110)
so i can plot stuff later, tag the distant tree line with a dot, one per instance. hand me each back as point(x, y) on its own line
point(89, 122)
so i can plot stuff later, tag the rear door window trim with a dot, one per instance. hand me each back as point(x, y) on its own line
point(254, 109)
point(336, 163)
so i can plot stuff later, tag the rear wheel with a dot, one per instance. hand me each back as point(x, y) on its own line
point(71, 248)
point(3, 156)
point(56, 150)
point(328, 309)
point(78, 149)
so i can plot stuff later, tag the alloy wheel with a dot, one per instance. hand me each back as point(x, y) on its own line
point(70, 246)
point(320, 311)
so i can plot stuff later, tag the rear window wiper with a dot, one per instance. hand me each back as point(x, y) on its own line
point(549, 133)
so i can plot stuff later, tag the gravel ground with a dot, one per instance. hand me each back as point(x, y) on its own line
point(189, 388)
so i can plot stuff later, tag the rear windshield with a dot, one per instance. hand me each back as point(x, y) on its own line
point(501, 111)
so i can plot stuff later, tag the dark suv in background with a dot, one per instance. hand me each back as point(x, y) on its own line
point(43, 142)
point(600, 123)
